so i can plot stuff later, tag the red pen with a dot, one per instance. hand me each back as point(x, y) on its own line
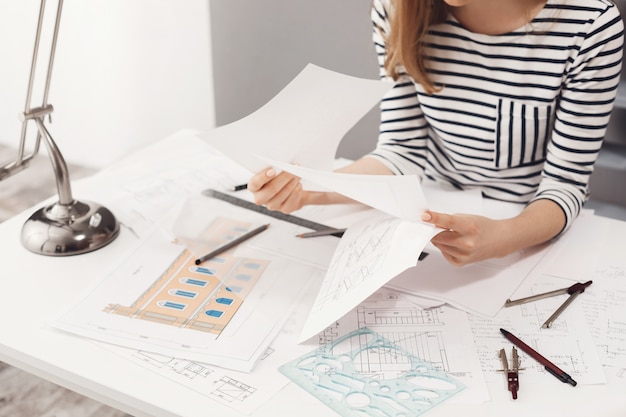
point(549, 366)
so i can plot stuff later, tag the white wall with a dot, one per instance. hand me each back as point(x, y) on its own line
point(126, 73)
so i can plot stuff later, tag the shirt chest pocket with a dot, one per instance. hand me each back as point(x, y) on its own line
point(522, 133)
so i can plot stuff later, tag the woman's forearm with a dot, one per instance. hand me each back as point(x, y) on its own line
point(540, 221)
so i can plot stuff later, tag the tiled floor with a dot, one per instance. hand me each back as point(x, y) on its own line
point(31, 185)
point(22, 394)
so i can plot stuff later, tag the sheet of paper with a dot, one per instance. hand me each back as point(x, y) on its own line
point(604, 302)
point(225, 311)
point(576, 254)
point(398, 195)
point(369, 255)
point(280, 239)
point(480, 288)
point(568, 343)
point(450, 200)
point(302, 124)
point(441, 336)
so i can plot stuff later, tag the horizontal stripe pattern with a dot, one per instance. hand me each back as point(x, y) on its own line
point(521, 116)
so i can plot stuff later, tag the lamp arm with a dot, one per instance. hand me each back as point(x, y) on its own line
point(33, 72)
point(53, 48)
point(59, 166)
point(67, 227)
point(21, 161)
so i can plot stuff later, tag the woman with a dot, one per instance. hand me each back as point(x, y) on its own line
point(508, 96)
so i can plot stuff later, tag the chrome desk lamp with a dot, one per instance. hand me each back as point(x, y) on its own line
point(69, 226)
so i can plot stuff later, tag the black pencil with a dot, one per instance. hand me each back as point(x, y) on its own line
point(232, 243)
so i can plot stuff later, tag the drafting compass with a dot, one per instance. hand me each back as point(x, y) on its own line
point(512, 373)
point(573, 292)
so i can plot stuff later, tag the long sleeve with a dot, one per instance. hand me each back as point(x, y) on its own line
point(403, 136)
point(582, 115)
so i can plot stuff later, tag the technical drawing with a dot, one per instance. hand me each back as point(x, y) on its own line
point(363, 373)
point(230, 390)
point(401, 325)
point(202, 297)
point(182, 367)
point(407, 316)
point(354, 263)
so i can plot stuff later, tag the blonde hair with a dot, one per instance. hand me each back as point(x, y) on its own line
point(410, 21)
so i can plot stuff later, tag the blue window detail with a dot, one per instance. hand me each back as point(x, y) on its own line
point(172, 305)
point(234, 288)
point(218, 260)
point(252, 265)
point(202, 270)
point(183, 293)
point(243, 277)
point(214, 313)
point(227, 301)
point(191, 281)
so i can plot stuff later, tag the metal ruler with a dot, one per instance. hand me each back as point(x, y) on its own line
point(263, 210)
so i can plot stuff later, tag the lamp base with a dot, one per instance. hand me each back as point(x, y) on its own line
point(62, 230)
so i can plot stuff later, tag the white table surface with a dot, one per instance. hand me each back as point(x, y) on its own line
point(34, 289)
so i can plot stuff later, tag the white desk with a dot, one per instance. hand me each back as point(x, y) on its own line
point(36, 288)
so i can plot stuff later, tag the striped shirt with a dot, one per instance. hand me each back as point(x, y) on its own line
point(520, 116)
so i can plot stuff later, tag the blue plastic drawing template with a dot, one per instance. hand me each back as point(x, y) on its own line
point(364, 374)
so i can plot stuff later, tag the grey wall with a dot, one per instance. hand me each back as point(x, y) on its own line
point(259, 46)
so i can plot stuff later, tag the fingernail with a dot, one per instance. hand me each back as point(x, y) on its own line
point(426, 217)
point(270, 172)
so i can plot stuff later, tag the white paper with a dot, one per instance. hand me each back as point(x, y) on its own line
point(480, 288)
point(302, 124)
point(568, 343)
point(120, 309)
point(398, 195)
point(369, 255)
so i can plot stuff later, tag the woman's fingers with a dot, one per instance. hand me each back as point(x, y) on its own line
point(279, 192)
point(287, 197)
point(258, 180)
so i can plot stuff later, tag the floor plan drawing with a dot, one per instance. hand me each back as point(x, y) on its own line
point(182, 367)
point(580, 358)
point(230, 390)
point(601, 309)
point(413, 335)
point(420, 333)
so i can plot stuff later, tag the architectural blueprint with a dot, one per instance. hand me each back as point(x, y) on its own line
point(201, 297)
point(604, 308)
point(463, 346)
point(568, 343)
point(439, 336)
point(224, 312)
point(363, 373)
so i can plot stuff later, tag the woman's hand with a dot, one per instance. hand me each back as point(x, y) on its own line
point(280, 192)
point(283, 192)
point(469, 238)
